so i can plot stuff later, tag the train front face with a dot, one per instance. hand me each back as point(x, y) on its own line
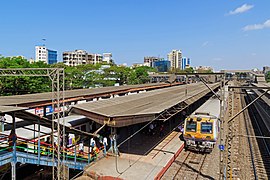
point(200, 133)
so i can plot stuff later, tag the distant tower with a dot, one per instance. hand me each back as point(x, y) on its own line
point(185, 62)
point(175, 57)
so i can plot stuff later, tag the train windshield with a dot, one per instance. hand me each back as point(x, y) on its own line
point(191, 126)
point(206, 128)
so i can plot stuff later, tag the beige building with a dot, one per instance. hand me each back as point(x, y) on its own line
point(79, 57)
point(175, 57)
point(75, 58)
point(149, 60)
point(94, 58)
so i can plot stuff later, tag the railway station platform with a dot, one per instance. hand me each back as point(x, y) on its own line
point(134, 166)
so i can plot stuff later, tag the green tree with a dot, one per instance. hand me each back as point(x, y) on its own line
point(267, 77)
point(20, 84)
point(140, 75)
point(189, 70)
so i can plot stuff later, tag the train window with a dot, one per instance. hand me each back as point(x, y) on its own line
point(206, 128)
point(191, 126)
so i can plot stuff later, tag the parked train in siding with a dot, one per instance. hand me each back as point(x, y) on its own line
point(201, 128)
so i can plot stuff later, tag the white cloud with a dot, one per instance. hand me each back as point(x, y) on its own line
point(242, 9)
point(205, 44)
point(266, 24)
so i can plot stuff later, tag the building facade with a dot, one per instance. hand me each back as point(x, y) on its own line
point(107, 57)
point(185, 63)
point(149, 60)
point(52, 56)
point(74, 58)
point(41, 54)
point(162, 66)
point(175, 57)
point(79, 57)
point(203, 69)
point(46, 55)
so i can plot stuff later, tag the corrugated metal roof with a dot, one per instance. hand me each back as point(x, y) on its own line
point(40, 97)
point(5, 109)
point(147, 103)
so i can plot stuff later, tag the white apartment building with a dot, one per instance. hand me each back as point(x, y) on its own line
point(41, 53)
point(107, 57)
point(175, 57)
point(46, 55)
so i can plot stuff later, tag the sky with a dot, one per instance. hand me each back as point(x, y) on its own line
point(224, 34)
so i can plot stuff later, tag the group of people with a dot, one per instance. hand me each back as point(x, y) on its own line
point(153, 129)
point(96, 144)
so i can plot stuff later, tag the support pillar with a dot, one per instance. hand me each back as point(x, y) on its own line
point(14, 158)
point(13, 170)
point(39, 141)
point(44, 111)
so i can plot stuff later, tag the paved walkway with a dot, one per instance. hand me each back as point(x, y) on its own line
point(130, 166)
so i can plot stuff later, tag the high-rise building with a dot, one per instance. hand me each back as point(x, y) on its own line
point(149, 60)
point(175, 57)
point(52, 56)
point(162, 65)
point(46, 55)
point(185, 63)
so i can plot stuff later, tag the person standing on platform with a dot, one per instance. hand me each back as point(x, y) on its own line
point(48, 145)
point(92, 144)
point(81, 148)
point(151, 129)
point(12, 138)
point(161, 131)
point(2, 122)
point(105, 144)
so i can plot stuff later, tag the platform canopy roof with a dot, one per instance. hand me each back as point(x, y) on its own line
point(46, 97)
point(8, 109)
point(29, 118)
point(140, 107)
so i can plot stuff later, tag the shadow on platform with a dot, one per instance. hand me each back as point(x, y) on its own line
point(146, 140)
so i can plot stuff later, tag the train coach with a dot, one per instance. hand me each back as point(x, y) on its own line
point(201, 128)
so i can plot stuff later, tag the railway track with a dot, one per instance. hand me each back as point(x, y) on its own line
point(187, 166)
point(191, 167)
point(255, 120)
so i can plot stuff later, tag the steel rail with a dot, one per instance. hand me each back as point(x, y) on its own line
point(249, 143)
